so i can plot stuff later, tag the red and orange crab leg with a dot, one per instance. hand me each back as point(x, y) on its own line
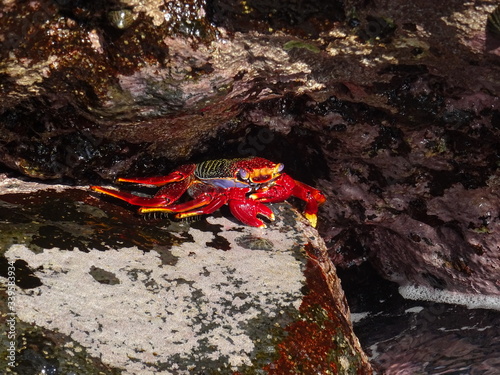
point(209, 199)
point(178, 181)
point(165, 196)
point(206, 197)
point(131, 198)
point(313, 198)
point(178, 175)
point(285, 186)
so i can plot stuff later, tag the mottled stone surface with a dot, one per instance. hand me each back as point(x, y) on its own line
point(84, 99)
point(391, 108)
point(154, 296)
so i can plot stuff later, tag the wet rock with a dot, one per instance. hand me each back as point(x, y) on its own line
point(403, 336)
point(163, 85)
point(420, 203)
point(151, 295)
point(87, 99)
point(438, 338)
point(392, 110)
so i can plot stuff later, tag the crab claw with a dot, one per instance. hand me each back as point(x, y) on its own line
point(284, 187)
point(313, 219)
point(247, 210)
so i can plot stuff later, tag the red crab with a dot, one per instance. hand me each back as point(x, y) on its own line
point(244, 184)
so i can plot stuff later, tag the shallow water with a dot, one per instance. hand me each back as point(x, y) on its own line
point(404, 337)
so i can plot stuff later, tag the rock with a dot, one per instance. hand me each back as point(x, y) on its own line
point(391, 109)
point(84, 99)
point(164, 86)
point(173, 298)
point(420, 205)
point(437, 328)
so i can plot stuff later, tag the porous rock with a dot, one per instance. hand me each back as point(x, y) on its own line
point(390, 108)
point(211, 296)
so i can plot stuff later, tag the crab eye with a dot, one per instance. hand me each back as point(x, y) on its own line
point(280, 167)
point(243, 174)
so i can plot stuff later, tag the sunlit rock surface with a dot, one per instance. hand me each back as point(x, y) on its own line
point(391, 108)
point(393, 112)
point(152, 296)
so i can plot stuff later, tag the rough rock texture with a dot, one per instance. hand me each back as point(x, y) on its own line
point(393, 107)
point(390, 107)
point(172, 298)
point(429, 218)
point(163, 86)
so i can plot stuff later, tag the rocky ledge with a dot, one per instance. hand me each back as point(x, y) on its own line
point(103, 290)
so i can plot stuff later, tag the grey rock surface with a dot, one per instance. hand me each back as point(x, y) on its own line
point(214, 297)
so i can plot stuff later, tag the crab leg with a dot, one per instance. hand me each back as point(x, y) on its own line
point(164, 197)
point(178, 175)
point(172, 192)
point(313, 199)
point(131, 198)
point(213, 206)
point(203, 194)
point(200, 201)
point(209, 199)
